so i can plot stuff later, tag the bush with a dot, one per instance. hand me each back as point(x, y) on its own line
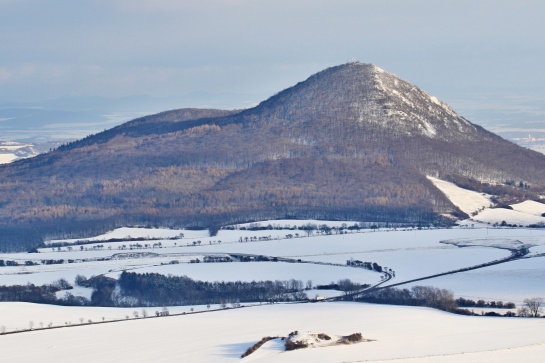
point(354, 338)
point(492, 313)
point(291, 345)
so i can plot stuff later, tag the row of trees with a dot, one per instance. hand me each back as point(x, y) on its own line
point(443, 299)
point(432, 297)
point(469, 303)
point(44, 294)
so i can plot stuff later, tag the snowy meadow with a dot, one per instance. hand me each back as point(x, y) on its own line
point(478, 260)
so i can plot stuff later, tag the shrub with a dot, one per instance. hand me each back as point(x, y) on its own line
point(293, 345)
point(354, 338)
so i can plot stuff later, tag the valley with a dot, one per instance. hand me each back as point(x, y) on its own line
point(209, 334)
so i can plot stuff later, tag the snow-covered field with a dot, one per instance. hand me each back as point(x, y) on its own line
point(6, 158)
point(398, 334)
point(499, 215)
point(530, 207)
point(513, 281)
point(18, 316)
point(261, 271)
point(132, 232)
point(410, 253)
point(9, 151)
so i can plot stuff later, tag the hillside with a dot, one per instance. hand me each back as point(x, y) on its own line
point(352, 142)
point(399, 333)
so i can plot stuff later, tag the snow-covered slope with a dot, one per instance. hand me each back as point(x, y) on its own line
point(468, 201)
point(478, 206)
point(399, 333)
point(530, 207)
point(511, 217)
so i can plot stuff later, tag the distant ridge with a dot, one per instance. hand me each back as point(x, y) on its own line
point(352, 142)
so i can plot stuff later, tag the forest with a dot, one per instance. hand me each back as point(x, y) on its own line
point(153, 289)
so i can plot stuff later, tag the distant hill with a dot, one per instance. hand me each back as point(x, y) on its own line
point(351, 142)
point(74, 117)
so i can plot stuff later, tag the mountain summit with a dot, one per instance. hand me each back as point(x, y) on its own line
point(364, 93)
point(352, 142)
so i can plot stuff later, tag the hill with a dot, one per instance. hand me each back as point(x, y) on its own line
point(352, 142)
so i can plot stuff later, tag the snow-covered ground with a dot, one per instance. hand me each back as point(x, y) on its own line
point(6, 158)
point(398, 334)
point(501, 215)
point(261, 271)
point(513, 281)
point(132, 232)
point(530, 207)
point(477, 205)
point(467, 200)
point(17, 316)
point(410, 253)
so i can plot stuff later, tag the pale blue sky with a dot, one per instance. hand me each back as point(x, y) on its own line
point(115, 48)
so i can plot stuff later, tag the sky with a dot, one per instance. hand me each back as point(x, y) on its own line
point(474, 54)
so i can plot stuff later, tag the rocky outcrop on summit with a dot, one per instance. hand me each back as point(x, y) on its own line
point(352, 142)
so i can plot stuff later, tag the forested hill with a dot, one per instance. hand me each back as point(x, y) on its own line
point(351, 142)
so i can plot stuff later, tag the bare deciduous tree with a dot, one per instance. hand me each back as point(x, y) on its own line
point(534, 306)
point(523, 311)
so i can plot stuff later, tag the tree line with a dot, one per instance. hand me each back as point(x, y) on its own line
point(152, 289)
point(443, 299)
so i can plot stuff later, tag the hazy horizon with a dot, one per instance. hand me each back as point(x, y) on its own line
point(484, 57)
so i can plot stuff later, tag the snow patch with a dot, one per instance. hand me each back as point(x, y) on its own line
point(378, 69)
point(504, 243)
point(435, 100)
